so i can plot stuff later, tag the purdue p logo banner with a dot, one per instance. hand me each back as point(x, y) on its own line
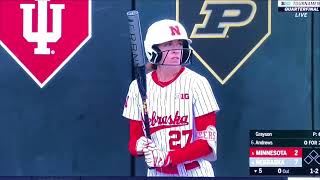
point(225, 33)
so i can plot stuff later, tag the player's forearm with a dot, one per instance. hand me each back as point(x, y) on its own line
point(190, 152)
point(135, 133)
point(131, 147)
point(199, 148)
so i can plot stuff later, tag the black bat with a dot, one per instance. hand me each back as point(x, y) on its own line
point(138, 57)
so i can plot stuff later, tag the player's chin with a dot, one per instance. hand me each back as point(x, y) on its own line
point(173, 63)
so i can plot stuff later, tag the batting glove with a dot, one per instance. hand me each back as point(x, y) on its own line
point(154, 157)
point(142, 143)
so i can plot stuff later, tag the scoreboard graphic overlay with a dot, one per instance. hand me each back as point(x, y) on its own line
point(284, 152)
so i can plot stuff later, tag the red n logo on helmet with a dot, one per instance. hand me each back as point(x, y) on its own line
point(174, 30)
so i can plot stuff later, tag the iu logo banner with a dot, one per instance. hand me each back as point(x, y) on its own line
point(225, 33)
point(43, 35)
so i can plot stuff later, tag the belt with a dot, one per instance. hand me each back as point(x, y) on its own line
point(170, 169)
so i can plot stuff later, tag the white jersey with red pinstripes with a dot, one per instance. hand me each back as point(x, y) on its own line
point(172, 109)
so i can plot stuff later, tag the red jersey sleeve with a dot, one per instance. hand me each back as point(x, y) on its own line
point(135, 133)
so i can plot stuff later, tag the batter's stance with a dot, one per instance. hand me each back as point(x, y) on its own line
point(181, 107)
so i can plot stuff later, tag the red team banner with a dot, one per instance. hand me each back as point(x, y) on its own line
point(42, 36)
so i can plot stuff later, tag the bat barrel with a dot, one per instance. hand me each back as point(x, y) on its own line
point(137, 48)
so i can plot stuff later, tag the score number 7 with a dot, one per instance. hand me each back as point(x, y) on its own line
point(175, 138)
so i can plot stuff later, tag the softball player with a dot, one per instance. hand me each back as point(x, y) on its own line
point(181, 108)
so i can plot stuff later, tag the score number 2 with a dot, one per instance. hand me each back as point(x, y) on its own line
point(175, 138)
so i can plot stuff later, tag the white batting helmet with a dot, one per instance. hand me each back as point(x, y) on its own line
point(164, 31)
